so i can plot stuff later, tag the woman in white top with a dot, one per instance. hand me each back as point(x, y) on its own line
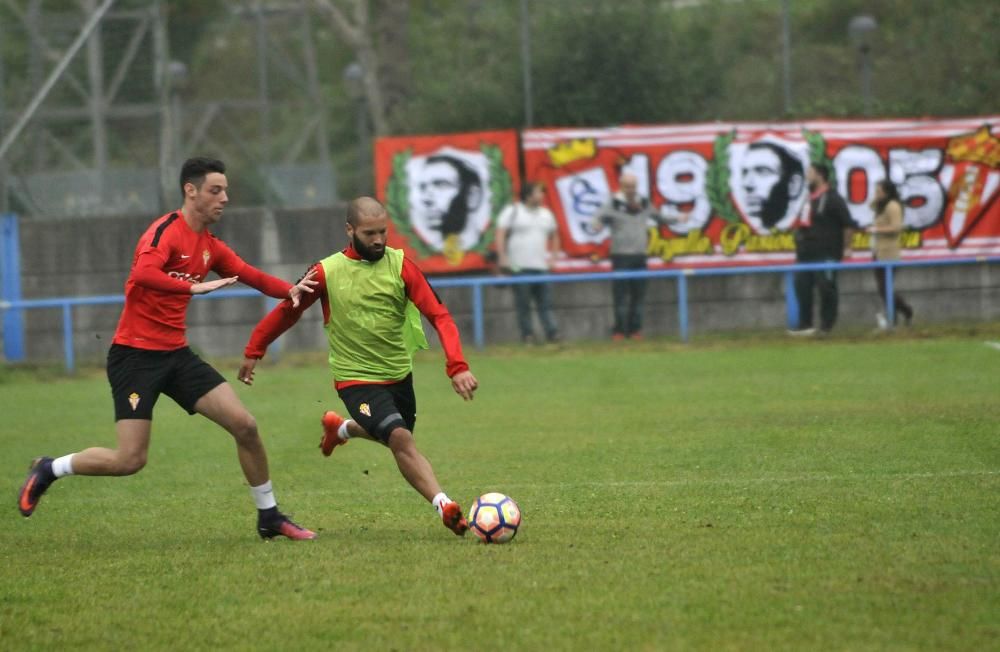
point(527, 239)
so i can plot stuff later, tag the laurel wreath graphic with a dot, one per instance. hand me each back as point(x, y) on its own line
point(501, 192)
point(717, 183)
point(397, 198)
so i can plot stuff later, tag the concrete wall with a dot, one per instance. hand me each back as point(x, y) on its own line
point(93, 256)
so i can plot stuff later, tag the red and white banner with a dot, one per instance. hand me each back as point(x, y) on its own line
point(444, 193)
point(743, 184)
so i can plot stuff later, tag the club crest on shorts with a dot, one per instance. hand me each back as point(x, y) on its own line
point(365, 410)
point(133, 400)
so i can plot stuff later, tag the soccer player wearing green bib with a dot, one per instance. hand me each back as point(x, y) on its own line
point(371, 295)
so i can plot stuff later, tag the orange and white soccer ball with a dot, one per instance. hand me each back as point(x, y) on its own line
point(495, 518)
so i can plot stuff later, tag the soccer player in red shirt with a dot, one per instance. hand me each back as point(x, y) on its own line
point(149, 354)
point(365, 292)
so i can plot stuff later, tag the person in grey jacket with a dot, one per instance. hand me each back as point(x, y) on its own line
point(629, 216)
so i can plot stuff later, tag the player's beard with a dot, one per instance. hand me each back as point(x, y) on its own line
point(369, 254)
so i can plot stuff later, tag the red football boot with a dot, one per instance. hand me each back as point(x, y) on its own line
point(331, 424)
point(451, 515)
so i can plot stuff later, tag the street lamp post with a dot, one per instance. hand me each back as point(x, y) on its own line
point(786, 56)
point(529, 101)
point(861, 30)
point(174, 80)
point(177, 74)
point(354, 80)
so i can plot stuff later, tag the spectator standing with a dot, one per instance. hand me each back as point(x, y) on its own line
point(527, 240)
point(886, 228)
point(629, 216)
point(823, 235)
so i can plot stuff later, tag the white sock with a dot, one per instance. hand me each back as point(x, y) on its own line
point(263, 496)
point(440, 501)
point(63, 465)
point(342, 430)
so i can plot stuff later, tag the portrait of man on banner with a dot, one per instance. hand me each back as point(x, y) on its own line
point(449, 198)
point(767, 182)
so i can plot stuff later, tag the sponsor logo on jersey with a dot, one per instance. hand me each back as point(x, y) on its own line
point(184, 276)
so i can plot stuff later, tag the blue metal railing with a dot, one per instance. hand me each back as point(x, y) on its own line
point(682, 275)
point(68, 303)
point(476, 284)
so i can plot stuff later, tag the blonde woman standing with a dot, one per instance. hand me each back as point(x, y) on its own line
point(886, 229)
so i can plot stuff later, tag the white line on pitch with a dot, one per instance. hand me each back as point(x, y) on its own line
point(993, 345)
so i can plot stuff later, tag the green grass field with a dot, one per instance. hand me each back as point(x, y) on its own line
point(734, 494)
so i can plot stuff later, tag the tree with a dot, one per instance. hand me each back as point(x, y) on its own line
point(380, 47)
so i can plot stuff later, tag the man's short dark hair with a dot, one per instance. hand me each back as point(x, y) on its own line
point(195, 169)
point(528, 188)
point(776, 203)
point(470, 193)
point(821, 170)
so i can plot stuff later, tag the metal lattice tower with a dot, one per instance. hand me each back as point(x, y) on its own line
point(113, 127)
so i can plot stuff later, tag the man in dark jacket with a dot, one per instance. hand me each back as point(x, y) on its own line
point(823, 236)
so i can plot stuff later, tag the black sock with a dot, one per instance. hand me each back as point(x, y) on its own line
point(268, 514)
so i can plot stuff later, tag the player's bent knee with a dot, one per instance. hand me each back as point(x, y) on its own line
point(400, 440)
point(244, 429)
point(131, 464)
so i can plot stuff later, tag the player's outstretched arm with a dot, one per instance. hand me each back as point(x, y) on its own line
point(211, 286)
point(464, 384)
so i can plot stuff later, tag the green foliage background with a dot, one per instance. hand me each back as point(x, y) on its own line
point(598, 63)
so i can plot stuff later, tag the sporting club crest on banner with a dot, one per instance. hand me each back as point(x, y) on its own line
point(444, 193)
point(972, 179)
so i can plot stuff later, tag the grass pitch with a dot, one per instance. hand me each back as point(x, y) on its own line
point(729, 495)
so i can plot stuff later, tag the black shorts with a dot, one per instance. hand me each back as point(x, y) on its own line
point(380, 409)
point(138, 377)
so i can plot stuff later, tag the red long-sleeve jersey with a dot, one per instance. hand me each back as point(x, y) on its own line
point(169, 258)
point(418, 290)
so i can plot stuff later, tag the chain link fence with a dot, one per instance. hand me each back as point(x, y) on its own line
point(151, 84)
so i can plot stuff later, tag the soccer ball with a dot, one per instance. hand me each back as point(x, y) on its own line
point(495, 518)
